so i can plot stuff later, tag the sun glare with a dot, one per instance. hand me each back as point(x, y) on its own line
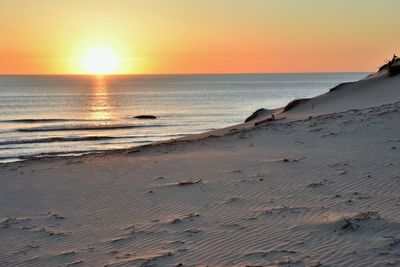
point(100, 61)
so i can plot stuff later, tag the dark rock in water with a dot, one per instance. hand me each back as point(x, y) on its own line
point(255, 115)
point(145, 117)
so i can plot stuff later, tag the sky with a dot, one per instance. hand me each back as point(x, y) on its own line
point(197, 36)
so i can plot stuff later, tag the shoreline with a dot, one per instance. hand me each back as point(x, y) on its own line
point(227, 131)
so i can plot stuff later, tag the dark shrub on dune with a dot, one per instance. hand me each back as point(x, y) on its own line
point(392, 66)
point(394, 70)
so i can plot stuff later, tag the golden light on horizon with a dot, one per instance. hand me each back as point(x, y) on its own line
point(100, 105)
point(101, 61)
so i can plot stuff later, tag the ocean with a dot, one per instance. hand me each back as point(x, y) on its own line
point(75, 115)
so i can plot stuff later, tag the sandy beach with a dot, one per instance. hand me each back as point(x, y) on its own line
point(316, 186)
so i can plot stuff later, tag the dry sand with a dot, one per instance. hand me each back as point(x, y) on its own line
point(299, 191)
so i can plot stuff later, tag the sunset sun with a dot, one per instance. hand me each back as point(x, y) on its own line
point(100, 61)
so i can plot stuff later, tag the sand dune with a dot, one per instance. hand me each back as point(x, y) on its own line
point(357, 95)
point(301, 191)
point(375, 90)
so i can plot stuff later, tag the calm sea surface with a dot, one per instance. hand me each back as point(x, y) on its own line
point(72, 115)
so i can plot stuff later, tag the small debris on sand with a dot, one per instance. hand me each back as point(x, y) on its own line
point(181, 183)
point(189, 217)
point(56, 216)
point(75, 263)
point(316, 184)
point(352, 223)
point(293, 160)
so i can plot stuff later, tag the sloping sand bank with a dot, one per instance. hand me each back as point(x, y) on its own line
point(319, 191)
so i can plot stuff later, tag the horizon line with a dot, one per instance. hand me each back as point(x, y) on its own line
point(176, 74)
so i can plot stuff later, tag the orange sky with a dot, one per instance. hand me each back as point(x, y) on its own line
point(193, 36)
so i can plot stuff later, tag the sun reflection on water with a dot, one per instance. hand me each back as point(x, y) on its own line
point(100, 104)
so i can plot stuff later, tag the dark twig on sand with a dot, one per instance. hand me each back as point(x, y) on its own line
point(180, 183)
point(293, 160)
